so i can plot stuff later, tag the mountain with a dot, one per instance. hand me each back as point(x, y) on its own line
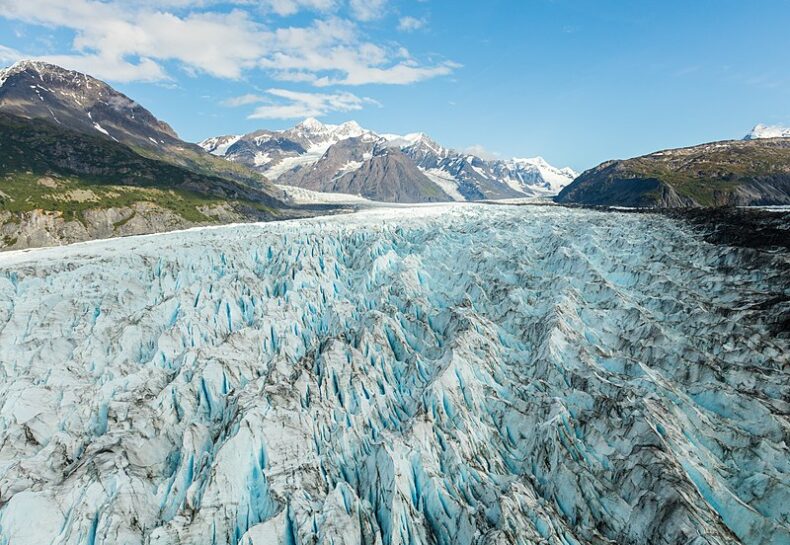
point(767, 131)
point(79, 102)
point(38, 90)
point(275, 152)
point(469, 177)
point(300, 156)
point(79, 160)
point(366, 167)
point(735, 172)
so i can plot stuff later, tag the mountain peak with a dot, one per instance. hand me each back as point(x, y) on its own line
point(311, 124)
point(351, 125)
point(43, 68)
point(28, 65)
point(311, 153)
point(25, 64)
point(768, 131)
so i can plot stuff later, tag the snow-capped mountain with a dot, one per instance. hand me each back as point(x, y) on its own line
point(298, 156)
point(768, 131)
point(276, 152)
point(434, 375)
point(532, 171)
point(369, 167)
point(219, 145)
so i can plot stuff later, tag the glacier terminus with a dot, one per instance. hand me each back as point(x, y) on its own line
point(454, 374)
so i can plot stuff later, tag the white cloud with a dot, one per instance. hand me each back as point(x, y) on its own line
point(289, 7)
point(368, 10)
point(125, 41)
point(243, 100)
point(479, 150)
point(9, 55)
point(286, 104)
point(409, 24)
point(113, 68)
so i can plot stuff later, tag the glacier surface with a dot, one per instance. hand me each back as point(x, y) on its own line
point(459, 374)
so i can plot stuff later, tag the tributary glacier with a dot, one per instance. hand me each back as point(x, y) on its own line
point(448, 374)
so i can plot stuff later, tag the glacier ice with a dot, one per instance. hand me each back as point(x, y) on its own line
point(460, 374)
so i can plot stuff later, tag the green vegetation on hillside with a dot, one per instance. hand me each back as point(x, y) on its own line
point(44, 166)
point(25, 192)
point(720, 173)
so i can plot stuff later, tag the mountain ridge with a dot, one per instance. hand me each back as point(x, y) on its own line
point(290, 156)
point(725, 173)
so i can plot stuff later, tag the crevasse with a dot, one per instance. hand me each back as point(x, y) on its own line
point(463, 374)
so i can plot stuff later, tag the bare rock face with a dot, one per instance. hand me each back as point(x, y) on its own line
point(80, 102)
point(368, 168)
point(390, 177)
point(40, 228)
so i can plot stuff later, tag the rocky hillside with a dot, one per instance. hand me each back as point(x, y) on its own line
point(78, 161)
point(79, 102)
point(738, 172)
point(307, 156)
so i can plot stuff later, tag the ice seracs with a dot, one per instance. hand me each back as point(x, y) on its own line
point(430, 375)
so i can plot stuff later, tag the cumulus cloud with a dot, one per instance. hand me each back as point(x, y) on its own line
point(285, 104)
point(289, 7)
point(410, 24)
point(9, 55)
point(368, 10)
point(243, 100)
point(125, 41)
point(109, 67)
point(479, 150)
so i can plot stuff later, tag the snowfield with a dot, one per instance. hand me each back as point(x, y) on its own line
point(456, 374)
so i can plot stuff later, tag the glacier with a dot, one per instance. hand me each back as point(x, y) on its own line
point(445, 374)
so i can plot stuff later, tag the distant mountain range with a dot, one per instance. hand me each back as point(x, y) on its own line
point(347, 158)
point(79, 160)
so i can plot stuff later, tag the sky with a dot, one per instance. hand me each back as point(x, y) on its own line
point(575, 81)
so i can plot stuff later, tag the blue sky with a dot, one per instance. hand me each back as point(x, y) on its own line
point(576, 81)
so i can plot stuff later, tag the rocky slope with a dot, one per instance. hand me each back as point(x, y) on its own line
point(78, 160)
point(584, 378)
point(747, 172)
point(292, 157)
point(79, 102)
point(38, 90)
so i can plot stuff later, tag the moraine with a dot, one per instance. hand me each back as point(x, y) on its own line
point(454, 374)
